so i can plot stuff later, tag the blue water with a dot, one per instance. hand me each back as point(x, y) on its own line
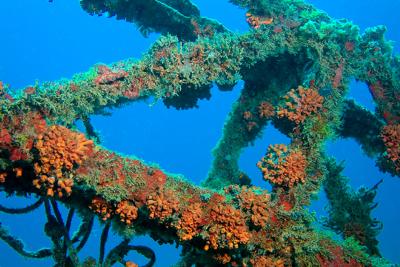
point(47, 41)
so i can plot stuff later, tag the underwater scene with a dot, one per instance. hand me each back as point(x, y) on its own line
point(199, 133)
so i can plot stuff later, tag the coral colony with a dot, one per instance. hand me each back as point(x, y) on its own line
point(296, 63)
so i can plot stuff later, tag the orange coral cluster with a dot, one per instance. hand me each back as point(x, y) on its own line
point(391, 138)
point(60, 150)
point(18, 171)
point(127, 212)
point(227, 229)
point(131, 264)
point(255, 205)
point(3, 176)
point(102, 208)
point(189, 224)
point(262, 261)
point(266, 110)
point(223, 258)
point(250, 123)
point(256, 22)
point(247, 115)
point(162, 205)
point(300, 104)
point(283, 167)
point(61, 187)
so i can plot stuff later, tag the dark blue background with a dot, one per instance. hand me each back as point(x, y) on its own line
point(48, 41)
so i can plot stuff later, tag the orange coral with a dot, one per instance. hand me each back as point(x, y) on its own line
point(228, 228)
point(101, 207)
point(61, 148)
point(190, 221)
point(255, 205)
point(45, 182)
point(59, 151)
point(127, 212)
point(61, 186)
point(18, 171)
point(162, 205)
point(3, 176)
point(300, 104)
point(251, 125)
point(247, 115)
point(64, 185)
point(262, 261)
point(266, 110)
point(391, 138)
point(256, 22)
point(283, 167)
point(131, 264)
point(263, 239)
point(223, 258)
